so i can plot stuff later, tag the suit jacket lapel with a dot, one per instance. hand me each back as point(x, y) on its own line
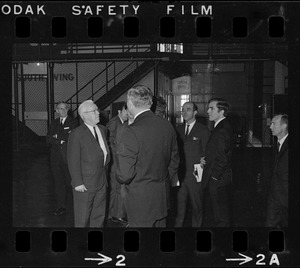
point(284, 147)
point(190, 132)
point(92, 137)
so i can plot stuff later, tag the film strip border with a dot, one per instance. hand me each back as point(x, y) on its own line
point(42, 246)
point(167, 27)
point(152, 247)
point(151, 22)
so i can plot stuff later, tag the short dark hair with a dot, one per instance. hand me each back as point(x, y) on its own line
point(284, 119)
point(222, 104)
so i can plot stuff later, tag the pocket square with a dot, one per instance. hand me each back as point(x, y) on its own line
point(66, 127)
point(195, 139)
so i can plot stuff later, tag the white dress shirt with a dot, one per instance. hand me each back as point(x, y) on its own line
point(216, 123)
point(101, 141)
point(190, 126)
point(282, 141)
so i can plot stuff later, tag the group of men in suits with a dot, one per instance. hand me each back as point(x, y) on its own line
point(148, 157)
point(213, 152)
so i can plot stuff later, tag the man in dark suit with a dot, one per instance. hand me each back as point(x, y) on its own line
point(277, 212)
point(192, 140)
point(148, 157)
point(116, 206)
point(57, 137)
point(88, 158)
point(217, 174)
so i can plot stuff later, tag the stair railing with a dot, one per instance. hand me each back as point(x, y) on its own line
point(106, 82)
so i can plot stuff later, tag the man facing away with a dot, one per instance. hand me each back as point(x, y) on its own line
point(217, 174)
point(88, 158)
point(148, 157)
point(277, 211)
point(116, 205)
point(57, 137)
point(192, 140)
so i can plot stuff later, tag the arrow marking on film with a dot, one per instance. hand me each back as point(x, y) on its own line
point(102, 260)
point(245, 259)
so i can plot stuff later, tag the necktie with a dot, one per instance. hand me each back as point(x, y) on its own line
point(278, 146)
point(96, 136)
point(61, 122)
point(187, 131)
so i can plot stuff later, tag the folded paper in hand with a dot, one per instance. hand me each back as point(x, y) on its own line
point(198, 170)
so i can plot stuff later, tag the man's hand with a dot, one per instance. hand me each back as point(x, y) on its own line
point(80, 188)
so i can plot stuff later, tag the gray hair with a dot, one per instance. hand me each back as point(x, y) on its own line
point(141, 96)
point(82, 106)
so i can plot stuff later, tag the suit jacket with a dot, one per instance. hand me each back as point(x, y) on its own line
point(218, 155)
point(113, 125)
point(86, 158)
point(148, 157)
point(279, 182)
point(191, 149)
point(62, 135)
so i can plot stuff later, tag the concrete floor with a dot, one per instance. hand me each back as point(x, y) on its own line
point(34, 200)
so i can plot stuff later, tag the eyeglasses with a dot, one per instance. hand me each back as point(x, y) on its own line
point(93, 111)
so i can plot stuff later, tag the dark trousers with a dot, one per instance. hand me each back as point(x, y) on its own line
point(89, 208)
point(161, 223)
point(62, 183)
point(277, 213)
point(220, 200)
point(116, 198)
point(190, 190)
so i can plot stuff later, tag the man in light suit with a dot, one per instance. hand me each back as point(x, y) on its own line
point(88, 157)
point(217, 174)
point(148, 157)
point(116, 211)
point(57, 137)
point(192, 140)
point(277, 212)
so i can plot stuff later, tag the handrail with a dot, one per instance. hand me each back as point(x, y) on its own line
point(92, 80)
point(94, 93)
point(76, 93)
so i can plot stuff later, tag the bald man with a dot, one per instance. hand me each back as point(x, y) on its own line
point(88, 158)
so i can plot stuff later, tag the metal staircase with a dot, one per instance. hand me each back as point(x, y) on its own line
point(117, 90)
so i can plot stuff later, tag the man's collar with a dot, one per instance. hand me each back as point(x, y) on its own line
point(217, 122)
point(281, 141)
point(191, 124)
point(140, 113)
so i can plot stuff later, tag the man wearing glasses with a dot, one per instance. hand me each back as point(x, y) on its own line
point(88, 158)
